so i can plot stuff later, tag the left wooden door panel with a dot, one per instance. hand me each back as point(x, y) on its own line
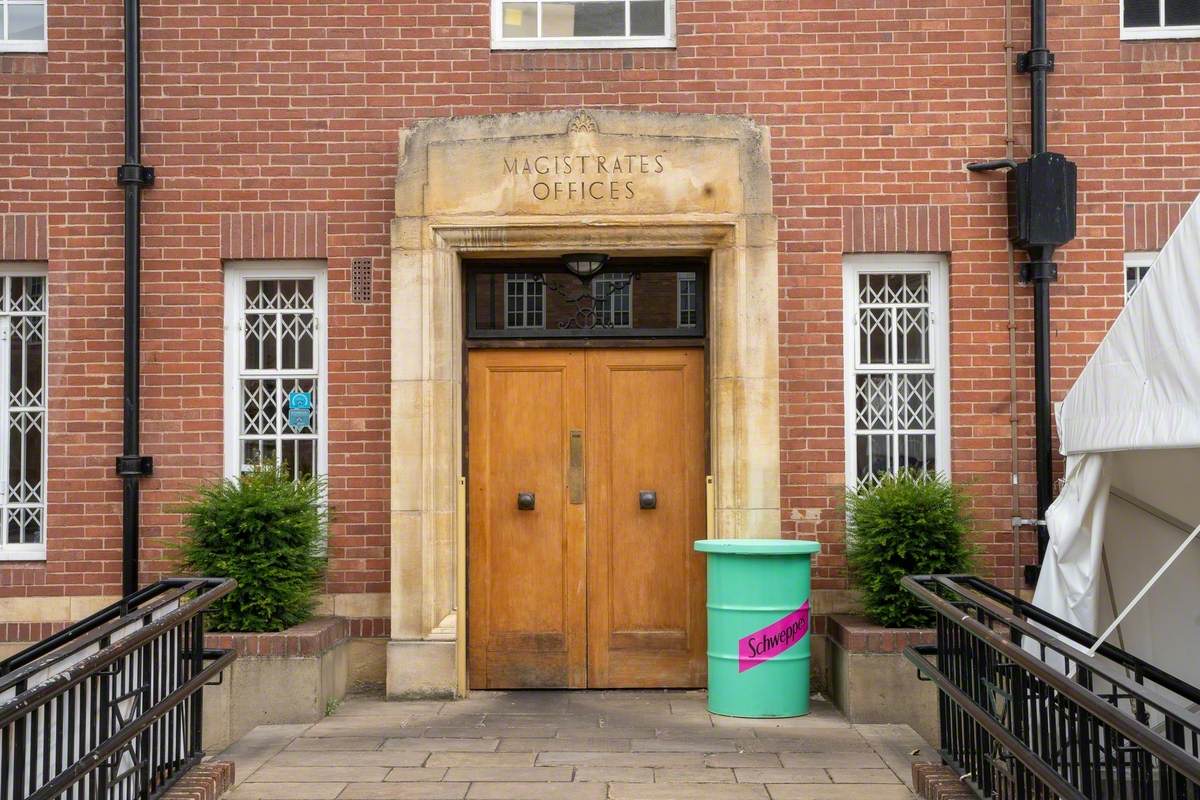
point(527, 578)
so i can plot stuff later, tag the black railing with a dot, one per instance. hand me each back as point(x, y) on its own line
point(111, 707)
point(1024, 712)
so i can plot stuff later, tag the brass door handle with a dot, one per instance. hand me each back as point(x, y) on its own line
point(525, 501)
point(647, 500)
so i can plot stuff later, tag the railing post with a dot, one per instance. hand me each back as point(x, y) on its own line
point(197, 737)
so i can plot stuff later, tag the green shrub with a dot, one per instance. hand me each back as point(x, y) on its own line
point(911, 523)
point(266, 531)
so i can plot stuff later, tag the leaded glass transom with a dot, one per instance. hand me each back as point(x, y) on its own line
point(894, 380)
point(613, 297)
point(524, 301)
point(278, 375)
point(23, 411)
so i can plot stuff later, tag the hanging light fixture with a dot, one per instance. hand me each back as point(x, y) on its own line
point(584, 265)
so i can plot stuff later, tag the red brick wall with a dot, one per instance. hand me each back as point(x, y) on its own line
point(296, 107)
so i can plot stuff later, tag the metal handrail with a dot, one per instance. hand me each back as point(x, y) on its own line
point(1128, 727)
point(1027, 756)
point(122, 722)
point(1063, 628)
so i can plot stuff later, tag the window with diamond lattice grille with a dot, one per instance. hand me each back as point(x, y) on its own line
point(275, 359)
point(23, 413)
point(897, 367)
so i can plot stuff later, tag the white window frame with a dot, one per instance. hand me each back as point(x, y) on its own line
point(236, 275)
point(680, 279)
point(938, 268)
point(23, 552)
point(24, 45)
point(1138, 260)
point(581, 42)
point(611, 278)
point(526, 279)
point(1162, 31)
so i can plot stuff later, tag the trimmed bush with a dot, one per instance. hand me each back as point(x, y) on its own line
point(266, 531)
point(911, 523)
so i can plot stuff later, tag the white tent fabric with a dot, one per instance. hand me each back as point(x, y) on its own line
point(1130, 431)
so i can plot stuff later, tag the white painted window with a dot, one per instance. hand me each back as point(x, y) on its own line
point(612, 297)
point(897, 364)
point(577, 24)
point(1137, 266)
point(524, 301)
point(23, 413)
point(1160, 19)
point(23, 26)
point(686, 286)
point(275, 366)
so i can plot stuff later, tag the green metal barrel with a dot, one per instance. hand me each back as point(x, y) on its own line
point(758, 626)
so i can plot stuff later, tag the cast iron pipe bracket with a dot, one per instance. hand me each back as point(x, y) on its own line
point(1034, 271)
point(989, 166)
point(135, 175)
point(135, 466)
point(1040, 60)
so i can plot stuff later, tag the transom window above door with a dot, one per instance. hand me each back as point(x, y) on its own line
point(579, 24)
point(631, 297)
point(1160, 19)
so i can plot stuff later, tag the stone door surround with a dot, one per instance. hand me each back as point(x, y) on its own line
point(547, 183)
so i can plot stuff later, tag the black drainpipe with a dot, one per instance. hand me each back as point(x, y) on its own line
point(1041, 271)
point(132, 176)
point(1042, 218)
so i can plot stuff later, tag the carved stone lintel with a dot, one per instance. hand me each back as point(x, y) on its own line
point(582, 123)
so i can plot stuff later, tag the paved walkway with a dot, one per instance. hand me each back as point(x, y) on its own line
point(632, 745)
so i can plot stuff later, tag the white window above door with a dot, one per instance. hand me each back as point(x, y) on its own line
point(582, 24)
point(897, 366)
point(1137, 267)
point(1160, 19)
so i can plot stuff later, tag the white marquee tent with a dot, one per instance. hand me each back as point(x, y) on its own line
point(1130, 431)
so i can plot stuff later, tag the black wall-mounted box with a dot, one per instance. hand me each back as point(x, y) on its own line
point(1041, 202)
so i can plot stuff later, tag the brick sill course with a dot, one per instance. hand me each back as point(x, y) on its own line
point(305, 640)
point(205, 781)
point(856, 634)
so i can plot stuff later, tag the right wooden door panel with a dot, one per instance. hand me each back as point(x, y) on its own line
point(645, 415)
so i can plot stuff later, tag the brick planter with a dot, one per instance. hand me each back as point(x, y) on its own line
point(206, 781)
point(284, 677)
point(870, 680)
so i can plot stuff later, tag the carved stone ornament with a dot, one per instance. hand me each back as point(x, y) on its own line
point(582, 123)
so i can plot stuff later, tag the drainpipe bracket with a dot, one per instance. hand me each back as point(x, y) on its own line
point(135, 466)
point(1040, 60)
point(135, 175)
point(1034, 271)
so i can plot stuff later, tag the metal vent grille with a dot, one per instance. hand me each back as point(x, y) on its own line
point(361, 280)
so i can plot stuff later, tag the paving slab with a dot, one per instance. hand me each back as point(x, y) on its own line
point(688, 791)
point(638, 745)
point(405, 791)
point(537, 791)
point(286, 791)
point(843, 791)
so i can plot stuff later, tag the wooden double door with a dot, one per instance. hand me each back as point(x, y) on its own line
point(586, 487)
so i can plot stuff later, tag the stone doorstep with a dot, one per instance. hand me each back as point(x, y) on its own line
point(856, 634)
point(207, 780)
point(308, 639)
point(939, 782)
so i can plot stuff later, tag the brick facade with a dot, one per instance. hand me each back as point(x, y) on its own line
point(273, 128)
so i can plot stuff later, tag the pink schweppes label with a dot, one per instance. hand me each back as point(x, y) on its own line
point(765, 644)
